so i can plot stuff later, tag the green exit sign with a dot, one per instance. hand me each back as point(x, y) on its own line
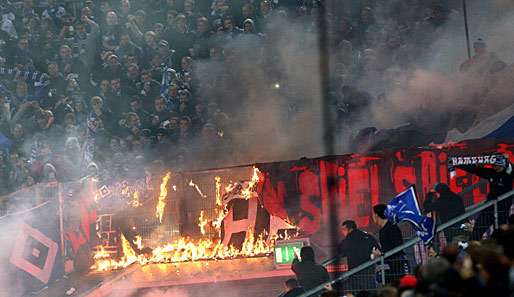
point(285, 251)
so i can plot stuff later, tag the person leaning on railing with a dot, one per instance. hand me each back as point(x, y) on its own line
point(308, 273)
point(357, 247)
point(390, 237)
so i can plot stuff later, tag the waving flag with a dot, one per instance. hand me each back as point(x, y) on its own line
point(404, 207)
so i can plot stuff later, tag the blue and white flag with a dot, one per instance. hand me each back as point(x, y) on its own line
point(405, 207)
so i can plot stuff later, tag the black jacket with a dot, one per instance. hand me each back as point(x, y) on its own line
point(309, 274)
point(448, 206)
point(390, 237)
point(357, 247)
point(499, 182)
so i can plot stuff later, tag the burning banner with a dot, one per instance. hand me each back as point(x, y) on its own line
point(161, 203)
point(241, 228)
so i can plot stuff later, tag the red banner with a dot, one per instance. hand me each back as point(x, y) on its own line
point(301, 190)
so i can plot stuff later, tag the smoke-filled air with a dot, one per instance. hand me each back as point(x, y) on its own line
point(139, 137)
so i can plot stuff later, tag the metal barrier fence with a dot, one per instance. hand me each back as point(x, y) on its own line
point(365, 276)
point(189, 194)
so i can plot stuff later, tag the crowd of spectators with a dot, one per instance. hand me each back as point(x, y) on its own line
point(474, 268)
point(115, 87)
point(478, 269)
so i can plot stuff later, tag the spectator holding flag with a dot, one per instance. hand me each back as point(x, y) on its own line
point(500, 179)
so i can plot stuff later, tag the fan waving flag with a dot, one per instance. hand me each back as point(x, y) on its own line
point(404, 207)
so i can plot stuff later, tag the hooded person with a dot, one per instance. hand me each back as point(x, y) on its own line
point(92, 170)
point(307, 271)
point(70, 160)
point(249, 26)
point(447, 206)
point(49, 173)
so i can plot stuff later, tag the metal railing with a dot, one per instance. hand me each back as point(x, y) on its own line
point(470, 212)
point(468, 209)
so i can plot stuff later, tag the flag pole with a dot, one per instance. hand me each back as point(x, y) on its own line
point(466, 26)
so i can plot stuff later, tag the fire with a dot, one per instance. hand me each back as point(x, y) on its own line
point(202, 222)
point(221, 210)
point(248, 191)
point(193, 185)
point(221, 214)
point(187, 249)
point(217, 180)
point(245, 190)
point(159, 211)
point(104, 262)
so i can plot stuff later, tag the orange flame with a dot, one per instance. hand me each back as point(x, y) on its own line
point(221, 210)
point(249, 191)
point(202, 222)
point(159, 211)
point(187, 249)
point(217, 180)
point(193, 185)
point(245, 190)
point(104, 262)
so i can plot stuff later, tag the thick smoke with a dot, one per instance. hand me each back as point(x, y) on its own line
point(274, 92)
point(434, 94)
point(286, 123)
point(11, 226)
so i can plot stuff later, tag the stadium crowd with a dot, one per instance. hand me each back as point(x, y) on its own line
point(476, 262)
point(115, 87)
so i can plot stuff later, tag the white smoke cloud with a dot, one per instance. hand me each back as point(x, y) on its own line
point(427, 93)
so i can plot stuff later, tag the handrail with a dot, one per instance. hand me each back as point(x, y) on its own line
point(470, 211)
